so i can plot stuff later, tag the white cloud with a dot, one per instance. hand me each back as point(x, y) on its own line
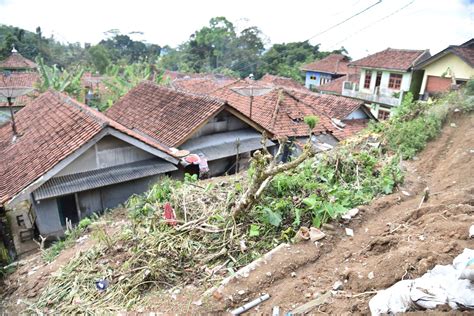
point(432, 24)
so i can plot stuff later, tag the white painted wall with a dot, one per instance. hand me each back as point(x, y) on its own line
point(384, 89)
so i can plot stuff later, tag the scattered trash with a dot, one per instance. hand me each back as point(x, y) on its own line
point(243, 246)
point(293, 274)
point(349, 232)
point(268, 274)
point(306, 308)
point(169, 215)
point(197, 303)
point(371, 275)
point(315, 234)
point(439, 286)
point(457, 110)
point(81, 239)
point(424, 198)
point(101, 285)
point(453, 125)
point(471, 231)
point(406, 193)
point(350, 214)
point(328, 226)
point(250, 305)
point(338, 285)
point(241, 292)
point(276, 311)
point(421, 237)
point(468, 272)
point(302, 234)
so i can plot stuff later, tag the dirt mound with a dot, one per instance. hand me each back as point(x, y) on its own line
point(396, 237)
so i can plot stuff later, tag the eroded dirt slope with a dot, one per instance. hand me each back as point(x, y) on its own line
point(394, 238)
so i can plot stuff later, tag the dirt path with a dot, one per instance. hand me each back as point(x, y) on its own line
point(393, 239)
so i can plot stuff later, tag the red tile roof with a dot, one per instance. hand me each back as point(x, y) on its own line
point(199, 85)
point(396, 59)
point(279, 81)
point(18, 81)
point(336, 84)
point(281, 111)
point(17, 61)
point(352, 127)
point(465, 53)
point(332, 64)
point(51, 128)
point(167, 115)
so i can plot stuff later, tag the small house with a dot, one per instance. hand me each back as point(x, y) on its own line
point(325, 70)
point(451, 67)
point(221, 136)
point(385, 77)
point(69, 161)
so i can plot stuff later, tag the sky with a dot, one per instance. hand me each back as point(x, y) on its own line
point(409, 24)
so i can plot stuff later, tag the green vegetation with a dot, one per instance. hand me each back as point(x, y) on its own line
point(218, 47)
point(71, 236)
point(62, 81)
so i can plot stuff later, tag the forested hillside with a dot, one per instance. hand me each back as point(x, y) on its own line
point(219, 47)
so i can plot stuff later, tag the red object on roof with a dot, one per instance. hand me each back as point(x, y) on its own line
point(16, 61)
point(396, 59)
point(169, 215)
point(332, 64)
point(192, 159)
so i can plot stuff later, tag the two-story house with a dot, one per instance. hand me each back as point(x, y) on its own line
point(325, 70)
point(385, 77)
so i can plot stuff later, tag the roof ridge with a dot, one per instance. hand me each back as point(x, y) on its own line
point(178, 90)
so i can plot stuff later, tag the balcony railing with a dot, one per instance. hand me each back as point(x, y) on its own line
point(383, 96)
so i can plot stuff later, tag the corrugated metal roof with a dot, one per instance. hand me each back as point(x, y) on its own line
point(221, 145)
point(101, 177)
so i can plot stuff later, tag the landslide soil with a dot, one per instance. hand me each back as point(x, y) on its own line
point(394, 238)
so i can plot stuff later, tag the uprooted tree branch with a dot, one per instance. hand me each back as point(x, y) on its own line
point(266, 166)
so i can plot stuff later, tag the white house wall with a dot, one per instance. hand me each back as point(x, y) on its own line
point(405, 86)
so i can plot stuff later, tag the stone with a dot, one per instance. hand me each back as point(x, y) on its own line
point(371, 275)
point(338, 285)
point(349, 232)
point(315, 234)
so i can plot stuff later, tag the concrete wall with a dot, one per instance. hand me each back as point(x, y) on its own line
point(108, 152)
point(357, 114)
point(222, 122)
point(92, 201)
point(317, 81)
point(438, 68)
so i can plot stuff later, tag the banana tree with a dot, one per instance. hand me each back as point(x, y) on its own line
point(62, 81)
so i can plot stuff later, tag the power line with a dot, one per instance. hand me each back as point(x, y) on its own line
point(345, 20)
point(372, 24)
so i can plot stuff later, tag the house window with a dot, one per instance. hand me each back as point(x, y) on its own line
point(395, 81)
point(383, 115)
point(378, 79)
point(312, 77)
point(368, 78)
